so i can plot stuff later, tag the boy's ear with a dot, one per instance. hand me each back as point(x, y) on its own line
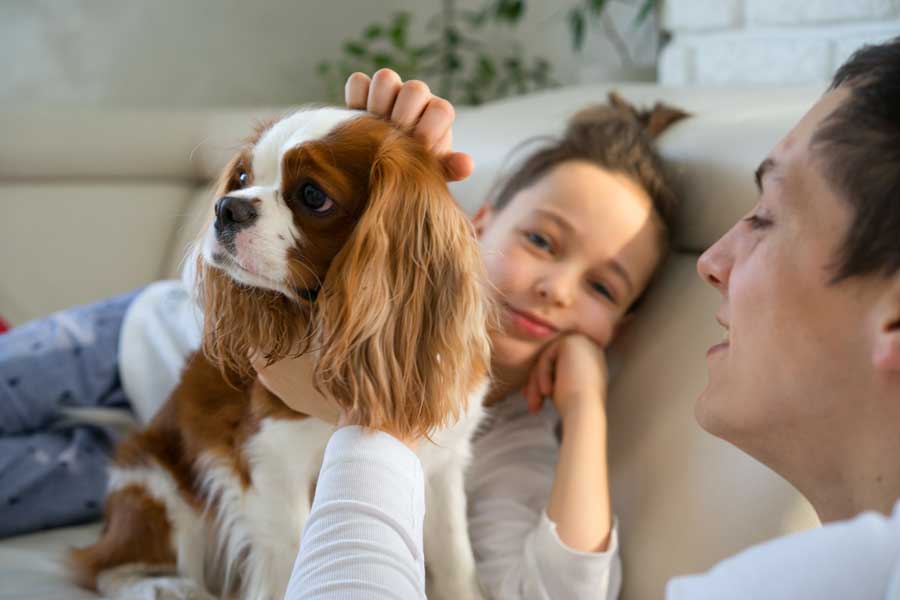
point(886, 353)
point(482, 218)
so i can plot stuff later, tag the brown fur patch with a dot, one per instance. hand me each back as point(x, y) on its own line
point(136, 530)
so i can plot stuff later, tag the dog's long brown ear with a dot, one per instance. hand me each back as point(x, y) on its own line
point(404, 309)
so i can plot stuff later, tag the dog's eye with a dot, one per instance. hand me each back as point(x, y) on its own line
point(315, 199)
point(243, 178)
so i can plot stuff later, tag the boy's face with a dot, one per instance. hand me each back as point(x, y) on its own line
point(568, 254)
point(797, 360)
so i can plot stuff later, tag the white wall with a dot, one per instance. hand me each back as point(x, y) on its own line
point(184, 53)
point(722, 42)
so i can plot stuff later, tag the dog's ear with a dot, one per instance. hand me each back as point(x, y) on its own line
point(404, 310)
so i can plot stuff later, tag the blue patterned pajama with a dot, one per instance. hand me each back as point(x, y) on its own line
point(53, 470)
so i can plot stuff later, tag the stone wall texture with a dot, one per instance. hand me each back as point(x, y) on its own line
point(753, 42)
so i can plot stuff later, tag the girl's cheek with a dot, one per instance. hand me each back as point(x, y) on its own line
point(510, 270)
point(600, 326)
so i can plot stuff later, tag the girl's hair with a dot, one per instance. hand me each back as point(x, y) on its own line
point(616, 137)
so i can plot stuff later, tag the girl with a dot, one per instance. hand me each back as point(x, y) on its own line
point(571, 240)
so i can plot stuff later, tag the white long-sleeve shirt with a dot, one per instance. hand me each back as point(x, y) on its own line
point(518, 553)
point(363, 537)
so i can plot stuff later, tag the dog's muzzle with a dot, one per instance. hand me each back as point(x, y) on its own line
point(233, 214)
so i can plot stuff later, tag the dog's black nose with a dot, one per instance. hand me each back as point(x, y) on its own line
point(234, 212)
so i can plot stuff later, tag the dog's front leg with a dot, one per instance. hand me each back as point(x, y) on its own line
point(449, 562)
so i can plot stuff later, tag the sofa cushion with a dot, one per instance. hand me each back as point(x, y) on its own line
point(32, 567)
point(71, 243)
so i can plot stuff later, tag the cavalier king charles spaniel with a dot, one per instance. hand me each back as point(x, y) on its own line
point(333, 233)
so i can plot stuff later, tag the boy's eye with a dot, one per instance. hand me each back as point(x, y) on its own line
point(602, 289)
point(537, 240)
point(757, 222)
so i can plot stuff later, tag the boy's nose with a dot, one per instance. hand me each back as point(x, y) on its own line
point(714, 265)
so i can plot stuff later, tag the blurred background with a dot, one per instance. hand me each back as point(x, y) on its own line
point(230, 53)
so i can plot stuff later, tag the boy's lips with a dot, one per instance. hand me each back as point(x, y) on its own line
point(530, 325)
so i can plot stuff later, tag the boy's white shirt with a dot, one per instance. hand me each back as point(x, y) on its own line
point(517, 550)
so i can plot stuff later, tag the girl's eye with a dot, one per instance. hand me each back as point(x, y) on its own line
point(243, 178)
point(602, 289)
point(757, 222)
point(537, 240)
point(313, 198)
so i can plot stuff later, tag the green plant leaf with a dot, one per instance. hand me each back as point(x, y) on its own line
point(354, 48)
point(646, 9)
point(382, 59)
point(373, 32)
point(452, 62)
point(324, 68)
point(513, 63)
point(486, 68)
point(399, 30)
point(509, 11)
point(596, 6)
point(576, 28)
point(424, 51)
point(451, 36)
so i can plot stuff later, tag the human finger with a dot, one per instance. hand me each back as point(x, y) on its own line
point(545, 373)
point(532, 395)
point(457, 166)
point(383, 92)
point(412, 100)
point(435, 122)
point(356, 90)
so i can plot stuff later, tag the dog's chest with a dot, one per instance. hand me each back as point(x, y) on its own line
point(284, 459)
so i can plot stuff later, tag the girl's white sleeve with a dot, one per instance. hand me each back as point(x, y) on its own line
point(363, 537)
point(858, 559)
point(517, 550)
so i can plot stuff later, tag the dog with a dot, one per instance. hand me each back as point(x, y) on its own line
point(332, 233)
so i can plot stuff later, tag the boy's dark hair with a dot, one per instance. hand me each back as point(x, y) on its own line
point(860, 143)
point(617, 138)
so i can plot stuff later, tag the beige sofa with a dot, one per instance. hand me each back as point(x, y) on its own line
point(96, 203)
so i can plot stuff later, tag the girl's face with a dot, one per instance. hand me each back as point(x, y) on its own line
point(569, 254)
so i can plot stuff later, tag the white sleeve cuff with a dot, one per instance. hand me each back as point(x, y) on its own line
point(565, 568)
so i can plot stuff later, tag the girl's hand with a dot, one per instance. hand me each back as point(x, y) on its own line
point(411, 105)
point(572, 372)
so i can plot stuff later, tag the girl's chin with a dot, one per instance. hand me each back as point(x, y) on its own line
point(510, 352)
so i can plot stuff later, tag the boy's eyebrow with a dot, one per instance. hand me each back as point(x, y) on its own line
point(763, 168)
